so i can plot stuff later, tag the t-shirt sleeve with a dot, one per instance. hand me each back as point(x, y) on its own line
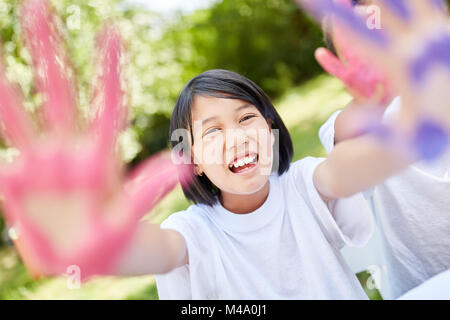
point(326, 132)
point(176, 284)
point(346, 221)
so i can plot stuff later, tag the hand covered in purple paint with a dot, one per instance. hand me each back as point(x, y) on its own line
point(412, 49)
point(66, 195)
point(363, 81)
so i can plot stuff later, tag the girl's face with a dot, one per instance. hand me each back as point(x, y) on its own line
point(232, 144)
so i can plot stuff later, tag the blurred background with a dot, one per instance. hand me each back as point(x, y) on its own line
point(271, 42)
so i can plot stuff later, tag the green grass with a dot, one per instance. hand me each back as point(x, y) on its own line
point(303, 109)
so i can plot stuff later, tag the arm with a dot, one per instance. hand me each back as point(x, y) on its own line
point(68, 195)
point(346, 124)
point(359, 163)
point(355, 165)
point(152, 250)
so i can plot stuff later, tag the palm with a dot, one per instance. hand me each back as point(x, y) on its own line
point(66, 194)
point(412, 50)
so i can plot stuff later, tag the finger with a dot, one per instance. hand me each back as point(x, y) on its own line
point(382, 17)
point(345, 15)
point(398, 7)
point(54, 77)
point(109, 94)
point(412, 10)
point(348, 3)
point(330, 63)
point(360, 76)
point(434, 53)
point(343, 46)
point(439, 5)
point(17, 126)
point(31, 263)
point(426, 9)
point(152, 180)
point(25, 237)
point(362, 49)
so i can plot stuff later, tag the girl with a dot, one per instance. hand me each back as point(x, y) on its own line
point(250, 235)
point(260, 226)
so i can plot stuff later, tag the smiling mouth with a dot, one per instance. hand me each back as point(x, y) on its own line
point(244, 164)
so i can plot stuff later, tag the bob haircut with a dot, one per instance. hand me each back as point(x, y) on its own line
point(228, 85)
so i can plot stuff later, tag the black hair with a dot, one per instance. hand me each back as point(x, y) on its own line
point(228, 85)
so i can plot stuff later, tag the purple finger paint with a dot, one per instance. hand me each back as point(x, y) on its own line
point(345, 15)
point(399, 7)
point(437, 52)
point(440, 4)
point(430, 140)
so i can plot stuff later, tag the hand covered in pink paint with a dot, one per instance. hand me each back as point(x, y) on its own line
point(66, 195)
point(362, 80)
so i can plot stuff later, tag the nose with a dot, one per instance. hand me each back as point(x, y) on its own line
point(235, 138)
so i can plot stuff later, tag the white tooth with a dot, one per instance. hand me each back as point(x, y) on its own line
point(241, 162)
point(247, 160)
point(235, 165)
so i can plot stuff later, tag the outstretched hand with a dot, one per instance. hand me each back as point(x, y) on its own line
point(362, 80)
point(66, 196)
point(412, 50)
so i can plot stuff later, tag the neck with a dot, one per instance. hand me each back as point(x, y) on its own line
point(241, 204)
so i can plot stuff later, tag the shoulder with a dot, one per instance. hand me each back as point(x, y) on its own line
point(299, 176)
point(192, 216)
point(302, 168)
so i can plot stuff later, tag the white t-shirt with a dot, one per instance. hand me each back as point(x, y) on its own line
point(436, 288)
point(412, 212)
point(286, 249)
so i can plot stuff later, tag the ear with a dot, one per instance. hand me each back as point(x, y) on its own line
point(269, 123)
point(272, 136)
point(197, 170)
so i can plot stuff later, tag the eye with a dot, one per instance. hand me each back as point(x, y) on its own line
point(247, 117)
point(210, 131)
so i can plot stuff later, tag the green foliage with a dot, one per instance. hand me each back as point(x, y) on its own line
point(153, 134)
point(272, 44)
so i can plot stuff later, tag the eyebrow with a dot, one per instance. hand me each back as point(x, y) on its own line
point(247, 105)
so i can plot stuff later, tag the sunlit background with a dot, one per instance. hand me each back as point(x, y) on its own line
point(169, 6)
point(272, 42)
